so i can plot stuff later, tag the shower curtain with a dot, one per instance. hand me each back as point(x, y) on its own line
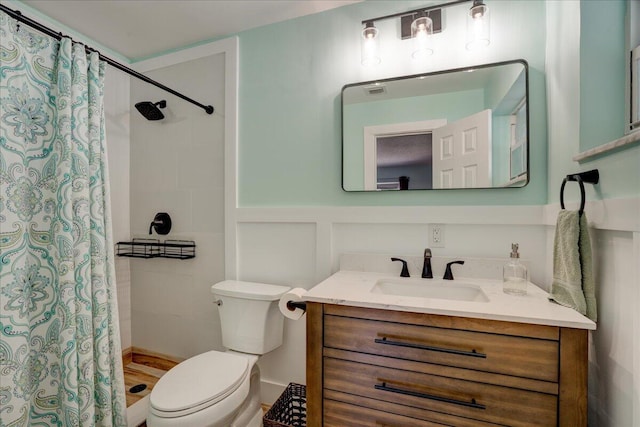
point(60, 356)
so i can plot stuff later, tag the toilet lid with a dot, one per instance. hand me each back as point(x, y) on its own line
point(206, 378)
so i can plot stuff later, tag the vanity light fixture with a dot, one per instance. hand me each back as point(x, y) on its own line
point(421, 32)
point(370, 42)
point(420, 25)
point(478, 26)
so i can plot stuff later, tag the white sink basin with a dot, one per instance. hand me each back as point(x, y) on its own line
point(430, 288)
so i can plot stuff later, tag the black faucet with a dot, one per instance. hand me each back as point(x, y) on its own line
point(426, 266)
point(405, 270)
point(448, 275)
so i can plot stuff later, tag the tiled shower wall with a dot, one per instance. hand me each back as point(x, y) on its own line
point(177, 166)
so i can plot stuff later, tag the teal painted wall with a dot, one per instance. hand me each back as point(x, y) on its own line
point(602, 72)
point(291, 76)
point(570, 118)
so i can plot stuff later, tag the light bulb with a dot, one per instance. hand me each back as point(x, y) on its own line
point(369, 45)
point(478, 30)
point(421, 31)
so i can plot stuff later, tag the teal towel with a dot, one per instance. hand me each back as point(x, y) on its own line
point(573, 281)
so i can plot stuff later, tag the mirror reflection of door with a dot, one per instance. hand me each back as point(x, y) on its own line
point(398, 150)
point(404, 162)
point(453, 155)
point(462, 153)
point(421, 103)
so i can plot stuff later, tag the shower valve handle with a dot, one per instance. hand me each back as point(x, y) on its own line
point(161, 223)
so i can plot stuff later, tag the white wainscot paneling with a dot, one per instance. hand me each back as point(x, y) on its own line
point(613, 350)
point(278, 253)
point(636, 330)
point(462, 242)
point(283, 254)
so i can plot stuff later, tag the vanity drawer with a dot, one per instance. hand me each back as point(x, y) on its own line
point(339, 414)
point(345, 410)
point(484, 402)
point(503, 354)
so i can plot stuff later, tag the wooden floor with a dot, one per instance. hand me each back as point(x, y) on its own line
point(144, 367)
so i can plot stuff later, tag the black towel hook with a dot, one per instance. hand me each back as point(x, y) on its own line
point(590, 177)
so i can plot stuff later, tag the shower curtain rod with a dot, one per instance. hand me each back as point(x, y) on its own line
point(16, 14)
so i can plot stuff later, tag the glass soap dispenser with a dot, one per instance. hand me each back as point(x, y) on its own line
point(514, 274)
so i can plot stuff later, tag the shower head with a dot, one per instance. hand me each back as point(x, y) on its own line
point(150, 110)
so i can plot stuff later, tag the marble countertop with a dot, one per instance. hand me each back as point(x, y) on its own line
point(353, 288)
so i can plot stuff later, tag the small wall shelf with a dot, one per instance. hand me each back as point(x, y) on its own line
point(626, 141)
point(153, 248)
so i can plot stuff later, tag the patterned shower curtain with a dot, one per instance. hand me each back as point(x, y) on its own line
point(60, 356)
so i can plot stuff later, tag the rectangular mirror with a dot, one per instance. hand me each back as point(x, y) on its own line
point(462, 128)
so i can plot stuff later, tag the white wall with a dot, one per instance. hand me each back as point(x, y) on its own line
point(177, 166)
point(117, 108)
point(614, 346)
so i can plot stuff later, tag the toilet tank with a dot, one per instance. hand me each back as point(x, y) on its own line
point(249, 315)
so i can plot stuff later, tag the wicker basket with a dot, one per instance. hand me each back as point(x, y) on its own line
point(290, 410)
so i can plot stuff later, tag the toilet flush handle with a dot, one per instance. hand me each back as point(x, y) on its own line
point(218, 302)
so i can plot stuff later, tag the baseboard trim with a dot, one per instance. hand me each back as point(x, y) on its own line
point(270, 391)
point(154, 359)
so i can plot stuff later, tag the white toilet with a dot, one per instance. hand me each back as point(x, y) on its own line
point(223, 388)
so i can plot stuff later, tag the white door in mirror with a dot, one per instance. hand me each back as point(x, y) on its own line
point(462, 153)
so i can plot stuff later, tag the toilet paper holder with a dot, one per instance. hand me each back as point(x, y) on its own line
point(292, 305)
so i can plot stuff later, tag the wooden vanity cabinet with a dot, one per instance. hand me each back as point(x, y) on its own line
point(370, 367)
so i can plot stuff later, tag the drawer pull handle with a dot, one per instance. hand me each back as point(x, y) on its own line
point(471, 353)
point(472, 404)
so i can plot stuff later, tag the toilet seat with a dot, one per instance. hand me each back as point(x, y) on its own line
point(199, 382)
